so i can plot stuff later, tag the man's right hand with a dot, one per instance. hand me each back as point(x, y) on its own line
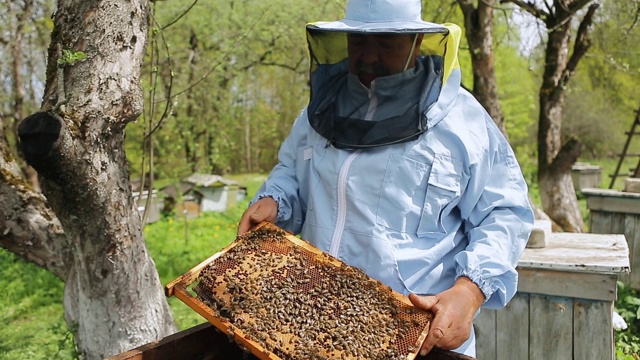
point(265, 209)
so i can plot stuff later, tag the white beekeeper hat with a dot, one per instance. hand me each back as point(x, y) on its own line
point(327, 40)
point(381, 16)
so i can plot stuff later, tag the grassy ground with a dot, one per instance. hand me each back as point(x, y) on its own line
point(31, 301)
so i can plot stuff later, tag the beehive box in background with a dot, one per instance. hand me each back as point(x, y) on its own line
point(281, 298)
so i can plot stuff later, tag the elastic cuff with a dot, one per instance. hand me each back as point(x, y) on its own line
point(476, 277)
point(276, 197)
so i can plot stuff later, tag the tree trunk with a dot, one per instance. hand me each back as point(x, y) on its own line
point(555, 159)
point(478, 24)
point(113, 296)
point(29, 228)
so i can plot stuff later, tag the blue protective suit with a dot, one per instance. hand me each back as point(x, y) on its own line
point(414, 215)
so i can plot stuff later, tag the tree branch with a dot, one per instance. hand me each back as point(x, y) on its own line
point(29, 229)
point(570, 12)
point(582, 43)
point(567, 156)
point(466, 6)
point(529, 7)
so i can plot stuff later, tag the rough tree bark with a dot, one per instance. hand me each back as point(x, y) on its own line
point(478, 22)
point(479, 33)
point(113, 296)
point(555, 159)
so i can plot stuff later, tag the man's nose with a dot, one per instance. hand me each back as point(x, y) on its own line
point(370, 54)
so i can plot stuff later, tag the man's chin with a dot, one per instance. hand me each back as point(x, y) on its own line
point(366, 79)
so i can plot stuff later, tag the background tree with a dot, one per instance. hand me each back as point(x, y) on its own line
point(113, 296)
point(601, 101)
point(238, 80)
point(555, 157)
point(23, 29)
point(478, 25)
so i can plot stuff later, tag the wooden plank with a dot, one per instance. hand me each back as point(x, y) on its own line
point(199, 342)
point(593, 330)
point(567, 284)
point(617, 222)
point(612, 200)
point(485, 330)
point(551, 324)
point(632, 233)
point(601, 222)
point(512, 322)
point(205, 342)
point(585, 253)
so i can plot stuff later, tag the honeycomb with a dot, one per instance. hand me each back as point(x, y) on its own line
point(292, 301)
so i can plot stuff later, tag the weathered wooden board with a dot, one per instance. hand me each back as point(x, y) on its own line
point(486, 331)
point(617, 212)
point(585, 253)
point(592, 334)
point(613, 201)
point(632, 233)
point(205, 342)
point(568, 284)
point(551, 320)
point(513, 322)
point(563, 307)
point(197, 343)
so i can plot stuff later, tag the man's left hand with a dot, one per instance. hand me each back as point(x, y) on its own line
point(453, 311)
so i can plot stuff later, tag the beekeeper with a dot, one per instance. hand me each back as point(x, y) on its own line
point(394, 168)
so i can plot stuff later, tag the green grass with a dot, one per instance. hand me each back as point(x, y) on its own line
point(31, 301)
point(32, 313)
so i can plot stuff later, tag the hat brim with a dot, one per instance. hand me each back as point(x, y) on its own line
point(352, 26)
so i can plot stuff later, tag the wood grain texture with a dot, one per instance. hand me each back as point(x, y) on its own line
point(593, 330)
point(551, 321)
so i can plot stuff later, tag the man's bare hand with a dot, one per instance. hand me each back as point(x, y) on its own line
point(454, 310)
point(265, 209)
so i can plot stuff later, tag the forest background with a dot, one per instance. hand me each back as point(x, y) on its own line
point(223, 81)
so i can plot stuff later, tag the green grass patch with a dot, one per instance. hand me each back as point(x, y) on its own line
point(32, 312)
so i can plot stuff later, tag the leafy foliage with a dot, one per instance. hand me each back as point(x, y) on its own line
point(69, 57)
point(602, 96)
point(628, 306)
point(234, 82)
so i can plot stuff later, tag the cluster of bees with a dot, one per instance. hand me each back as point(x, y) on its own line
point(299, 304)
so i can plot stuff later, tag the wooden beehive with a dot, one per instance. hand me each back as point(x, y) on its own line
point(281, 298)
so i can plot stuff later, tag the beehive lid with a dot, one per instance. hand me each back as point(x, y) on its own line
point(281, 298)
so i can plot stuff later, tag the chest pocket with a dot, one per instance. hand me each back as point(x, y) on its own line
point(402, 194)
point(442, 195)
point(418, 198)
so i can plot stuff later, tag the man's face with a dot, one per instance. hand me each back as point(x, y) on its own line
point(376, 55)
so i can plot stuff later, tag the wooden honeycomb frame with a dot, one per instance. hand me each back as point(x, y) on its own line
point(229, 272)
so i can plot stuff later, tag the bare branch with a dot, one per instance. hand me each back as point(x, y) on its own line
point(567, 156)
point(581, 45)
point(529, 7)
point(466, 6)
point(569, 13)
point(636, 17)
point(284, 66)
point(181, 15)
